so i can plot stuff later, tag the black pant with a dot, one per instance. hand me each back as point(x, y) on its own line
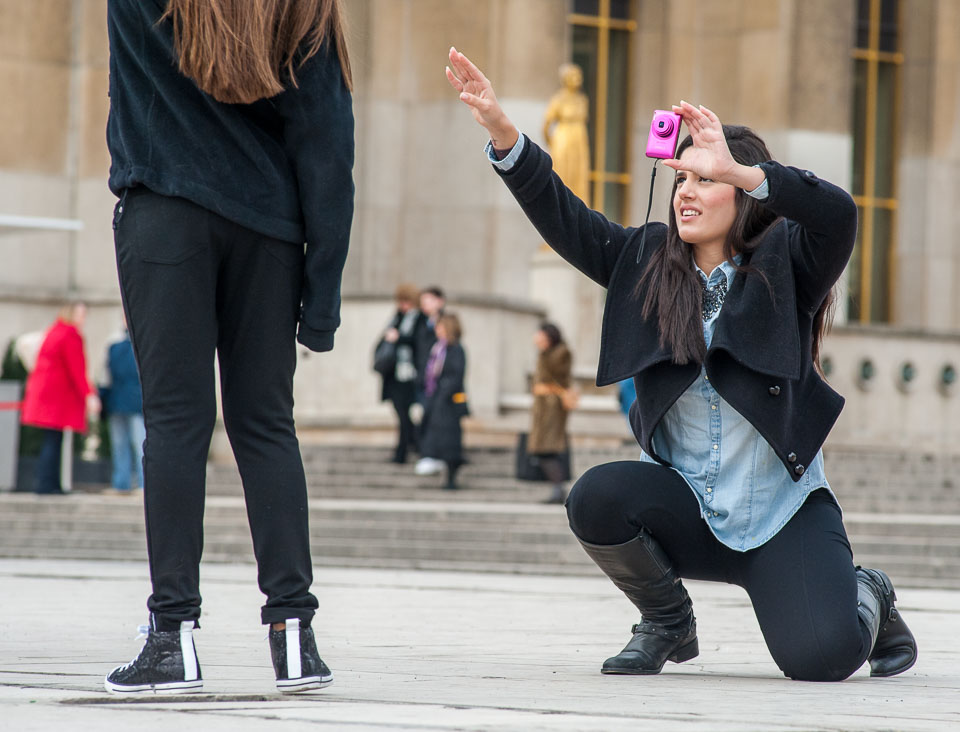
point(48, 462)
point(801, 582)
point(403, 397)
point(194, 284)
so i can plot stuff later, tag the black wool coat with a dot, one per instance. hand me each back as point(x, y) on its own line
point(403, 391)
point(760, 356)
point(441, 436)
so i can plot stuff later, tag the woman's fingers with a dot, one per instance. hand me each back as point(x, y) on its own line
point(464, 67)
point(454, 81)
point(482, 106)
point(474, 71)
point(710, 115)
point(458, 67)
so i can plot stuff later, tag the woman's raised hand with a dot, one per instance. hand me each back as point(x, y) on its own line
point(709, 156)
point(476, 92)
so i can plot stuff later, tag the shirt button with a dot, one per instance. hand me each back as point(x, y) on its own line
point(774, 390)
point(713, 406)
point(715, 514)
point(716, 447)
point(709, 490)
point(792, 457)
point(799, 469)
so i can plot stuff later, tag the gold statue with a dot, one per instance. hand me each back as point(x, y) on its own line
point(568, 143)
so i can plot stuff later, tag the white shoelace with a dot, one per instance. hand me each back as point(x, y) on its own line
point(142, 632)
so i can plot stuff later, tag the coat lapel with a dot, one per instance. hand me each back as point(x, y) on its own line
point(757, 325)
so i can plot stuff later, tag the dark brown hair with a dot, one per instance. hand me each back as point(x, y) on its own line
point(451, 324)
point(239, 51)
point(552, 333)
point(675, 294)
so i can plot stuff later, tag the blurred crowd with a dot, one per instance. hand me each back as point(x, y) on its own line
point(422, 362)
point(59, 400)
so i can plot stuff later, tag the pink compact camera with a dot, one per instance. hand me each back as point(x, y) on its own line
point(664, 134)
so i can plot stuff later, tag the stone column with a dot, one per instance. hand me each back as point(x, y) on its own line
point(928, 258)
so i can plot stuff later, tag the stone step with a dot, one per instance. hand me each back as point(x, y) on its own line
point(372, 519)
point(915, 549)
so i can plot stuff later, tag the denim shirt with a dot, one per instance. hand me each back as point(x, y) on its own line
point(745, 494)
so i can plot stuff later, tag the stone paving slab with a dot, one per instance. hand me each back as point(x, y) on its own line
point(439, 651)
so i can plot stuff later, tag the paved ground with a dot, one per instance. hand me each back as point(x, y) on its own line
point(439, 651)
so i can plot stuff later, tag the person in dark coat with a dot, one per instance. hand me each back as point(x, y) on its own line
point(718, 317)
point(548, 417)
point(432, 304)
point(231, 142)
point(442, 436)
point(401, 377)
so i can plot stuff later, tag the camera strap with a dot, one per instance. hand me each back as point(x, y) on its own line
point(646, 219)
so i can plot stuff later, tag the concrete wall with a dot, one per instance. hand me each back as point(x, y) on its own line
point(429, 209)
point(928, 261)
point(918, 416)
point(54, 163)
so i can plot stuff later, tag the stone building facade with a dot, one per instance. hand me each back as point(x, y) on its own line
point(864, 92)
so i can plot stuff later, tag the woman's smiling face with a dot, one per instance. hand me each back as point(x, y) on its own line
point(705, 210)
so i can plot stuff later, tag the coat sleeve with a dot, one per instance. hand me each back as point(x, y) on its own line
point(583, 237)
point(318, 136)
point(822, 225)
point(451, 376)
point(75, 364)
point(556, 367)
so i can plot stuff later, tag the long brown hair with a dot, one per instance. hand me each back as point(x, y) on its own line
point(239, 51)
point(672, 281)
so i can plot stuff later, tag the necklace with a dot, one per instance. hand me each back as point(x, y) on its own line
point(713, 297)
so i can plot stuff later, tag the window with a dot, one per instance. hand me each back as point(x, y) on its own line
point(602, 31)
point(877, 63)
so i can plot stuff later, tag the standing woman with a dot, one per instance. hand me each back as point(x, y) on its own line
point(58, 392)
point(548, 418)
point(719, 320)
point(400, 376)
point(231, 133)
point(446, 399)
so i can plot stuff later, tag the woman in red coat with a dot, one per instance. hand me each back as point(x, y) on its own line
point(57, 391)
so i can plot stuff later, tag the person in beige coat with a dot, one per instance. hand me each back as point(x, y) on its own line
point(551, 402)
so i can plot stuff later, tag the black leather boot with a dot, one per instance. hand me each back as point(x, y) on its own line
point(668, 629)
point(894, 648)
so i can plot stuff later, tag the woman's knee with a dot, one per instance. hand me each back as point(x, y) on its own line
point(597, 504)
point(832, 659)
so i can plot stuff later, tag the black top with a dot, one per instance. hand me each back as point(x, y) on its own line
point(760, 356)
point(280, 166)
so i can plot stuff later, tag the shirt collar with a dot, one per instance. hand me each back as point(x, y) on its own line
point(724, 269)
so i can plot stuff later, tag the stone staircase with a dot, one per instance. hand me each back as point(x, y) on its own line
point(902, 513)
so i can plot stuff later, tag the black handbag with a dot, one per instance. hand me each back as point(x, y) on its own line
point(528, 466)
point(385, 358)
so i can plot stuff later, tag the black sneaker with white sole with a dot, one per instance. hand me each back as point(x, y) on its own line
point(296, 661)
point(167, 664)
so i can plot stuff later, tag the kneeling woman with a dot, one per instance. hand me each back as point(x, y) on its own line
point(718, 319)
point(446, 401)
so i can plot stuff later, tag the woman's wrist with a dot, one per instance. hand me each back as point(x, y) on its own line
point(747, 177)
point(504, 136)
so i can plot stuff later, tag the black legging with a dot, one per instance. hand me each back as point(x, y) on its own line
point(801, 582)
